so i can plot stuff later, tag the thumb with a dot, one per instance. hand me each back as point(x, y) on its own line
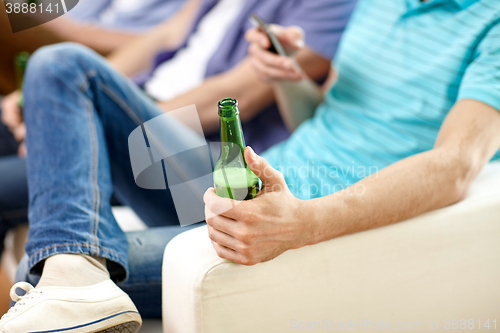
point(296, 36)
point(291, 37)
point(263, 169)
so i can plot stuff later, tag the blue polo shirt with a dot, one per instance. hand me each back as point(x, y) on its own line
point(402, 65)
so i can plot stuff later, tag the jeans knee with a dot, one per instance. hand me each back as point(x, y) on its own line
point(49, 70)
point(59, 61)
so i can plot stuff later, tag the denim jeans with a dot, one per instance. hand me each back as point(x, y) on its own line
point(13, 195)
point(8, 145)
point(77, 140)
point(145, 266)
point(13, 186)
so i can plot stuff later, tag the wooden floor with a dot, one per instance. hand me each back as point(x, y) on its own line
point(14, 250)
point(5, 285)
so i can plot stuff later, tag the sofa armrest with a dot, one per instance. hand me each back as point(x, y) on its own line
point(437, 266)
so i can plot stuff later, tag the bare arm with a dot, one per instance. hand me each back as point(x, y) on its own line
point(138, 54)
point(240, 83)
point(102, 40)
point(260, 229)
point(468, 139)
point(243, 84)
point(298, 100)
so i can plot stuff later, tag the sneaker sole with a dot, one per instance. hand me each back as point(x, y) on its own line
point(126, 322)
point(129, 322)
point(130, 327)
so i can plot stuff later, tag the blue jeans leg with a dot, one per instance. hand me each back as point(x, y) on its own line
point(13, 187)
point(145, 263)
point(77, 138)
point(13, 195)
point(8, 145)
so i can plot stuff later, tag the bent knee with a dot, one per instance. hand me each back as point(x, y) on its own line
point(57, 59)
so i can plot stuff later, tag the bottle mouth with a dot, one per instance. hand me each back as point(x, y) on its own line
point(228, 107)
point(22, 59)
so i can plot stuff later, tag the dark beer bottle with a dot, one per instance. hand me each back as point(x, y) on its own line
point(20, 64)
point(232, 176)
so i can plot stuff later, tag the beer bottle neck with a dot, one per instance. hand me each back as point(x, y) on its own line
point(21, 61)
point(230, 123)
point(230, 131)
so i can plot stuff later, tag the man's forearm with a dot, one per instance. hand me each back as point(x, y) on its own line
point(410, 187)
point(416, 184)
point(205, 98)
point(297, 101)
point(240, 83)
point(138, 55)
point(102, 40)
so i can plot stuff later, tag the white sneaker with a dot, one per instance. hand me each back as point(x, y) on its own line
point(102, 307)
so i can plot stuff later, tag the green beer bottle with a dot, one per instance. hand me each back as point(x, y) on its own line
point(232, 176)
point(20, 64)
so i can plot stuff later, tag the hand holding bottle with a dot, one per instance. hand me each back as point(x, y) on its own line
point(12, 118)
point(272, 67)
point(258, 230)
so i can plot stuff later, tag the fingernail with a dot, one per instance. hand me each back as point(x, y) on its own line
point(252, 153)
point(300, 43)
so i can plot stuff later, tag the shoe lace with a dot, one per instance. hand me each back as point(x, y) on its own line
point(31, 293)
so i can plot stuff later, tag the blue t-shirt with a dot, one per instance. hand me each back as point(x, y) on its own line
point(323, 22)
point(402, 66)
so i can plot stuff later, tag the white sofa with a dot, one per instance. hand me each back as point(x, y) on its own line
point(440, 266)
